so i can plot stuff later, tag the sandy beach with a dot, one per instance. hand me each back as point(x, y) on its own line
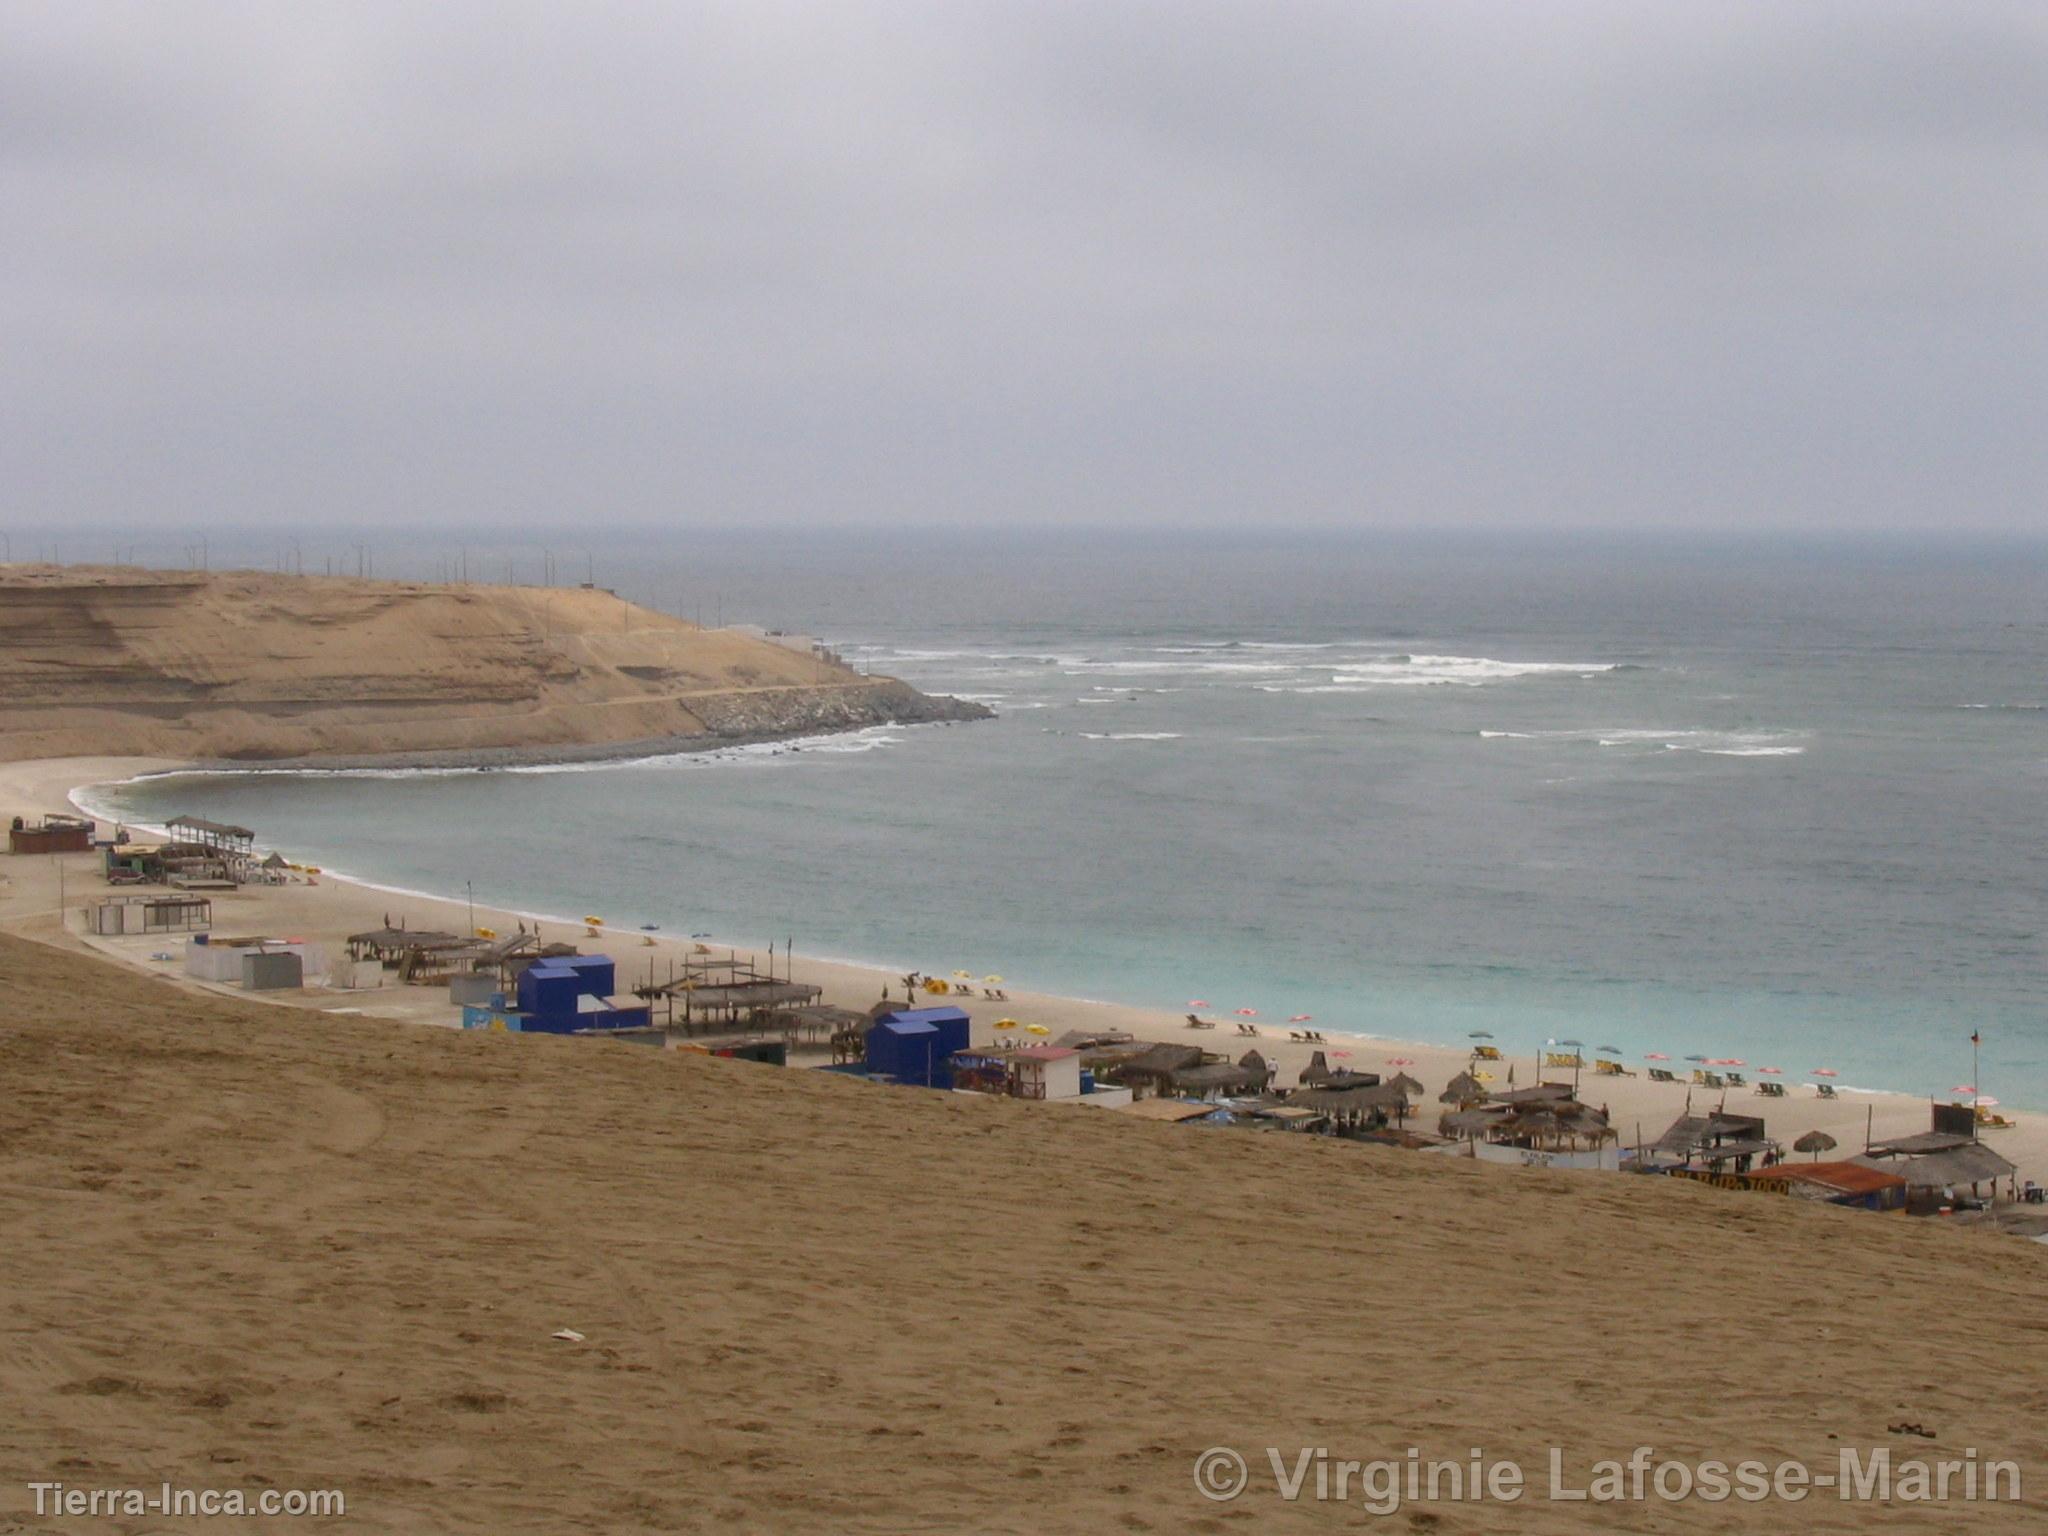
point(329, 910)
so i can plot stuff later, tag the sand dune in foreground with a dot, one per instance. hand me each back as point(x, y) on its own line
point(248, 1245)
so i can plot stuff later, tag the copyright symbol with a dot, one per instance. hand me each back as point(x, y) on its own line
point(1220, 1474)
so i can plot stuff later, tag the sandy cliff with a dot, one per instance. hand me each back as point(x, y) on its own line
point(251, 665)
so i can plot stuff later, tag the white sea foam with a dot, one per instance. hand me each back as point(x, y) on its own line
point(1130, 735)
point(1426, 670)
point(1221, 668)
point(1706, 743)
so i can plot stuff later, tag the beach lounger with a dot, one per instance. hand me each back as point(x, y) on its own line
point(1827, 1090)
point(1737, 1080)
point(1771, 1090)
point(1662, 1075)
point(1486, 1053)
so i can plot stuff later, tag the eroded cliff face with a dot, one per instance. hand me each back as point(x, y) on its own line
point(254, 666)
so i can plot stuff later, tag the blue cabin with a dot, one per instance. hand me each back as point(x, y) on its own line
point(916, 1045)
point(562, 995)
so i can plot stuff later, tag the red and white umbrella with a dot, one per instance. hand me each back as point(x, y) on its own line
point(1400, 1061)
point(1198, 1002)
point(1774, 1071)
point(1340, 1053)
point(1247, 1013)
point(1825, 1072)
point(1727, 1061)
point(1656, 1056)
point(1299, 1018)
point(1964, 1088)
point(1985, 1101)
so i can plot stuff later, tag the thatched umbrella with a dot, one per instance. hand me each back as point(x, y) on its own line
point(1406, 1084)
point(1463, 1089)
point(1815, 1142)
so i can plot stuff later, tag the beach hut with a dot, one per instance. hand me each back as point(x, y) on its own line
point(1936, 1164)
point(272, 970)
point(1150, 1069)
point(110, 916)
point(564, 995)
point(52, 834)
point(916, 1045)
point(1712, 1142)
point(1208, 1079)
point(1843, 1183)
point(1045, 1072)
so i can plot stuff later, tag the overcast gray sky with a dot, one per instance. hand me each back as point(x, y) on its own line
point(1648, 264)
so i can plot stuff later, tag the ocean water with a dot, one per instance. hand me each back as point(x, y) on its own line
point(1779, 802)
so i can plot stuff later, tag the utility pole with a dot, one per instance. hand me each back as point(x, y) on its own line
point(471, 889)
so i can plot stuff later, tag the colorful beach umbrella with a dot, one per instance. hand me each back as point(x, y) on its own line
point(1825, 1072)
point(1727, 1061)
point(1656, 1056)
point(1006, 1023)
point(1340, 1053)
point(1300, 1018)
point(1612, 1050)
point(994, 981)
point(963, 975)
point(1964, 1088)
point(1198, 1002)
point(1036, 1029)
point(1985, 1101)
point(1480, 1034)
point(1700, 1059)
point(1774, 1071)
point(1247, 1013)
point(1400, 1061)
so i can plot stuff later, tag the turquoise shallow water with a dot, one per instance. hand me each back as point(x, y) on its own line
point(1779, 803)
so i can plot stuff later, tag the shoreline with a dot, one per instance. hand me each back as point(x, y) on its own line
point(343, 902)
point(461, 760)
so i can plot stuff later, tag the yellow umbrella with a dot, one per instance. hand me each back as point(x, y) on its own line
point(994, 981)
point(595, 922)
point(964, 975)
point(487, 933)
point(937, 986)
point(1036, 1029)
point(1482, 1077)
point(1006, 1023)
